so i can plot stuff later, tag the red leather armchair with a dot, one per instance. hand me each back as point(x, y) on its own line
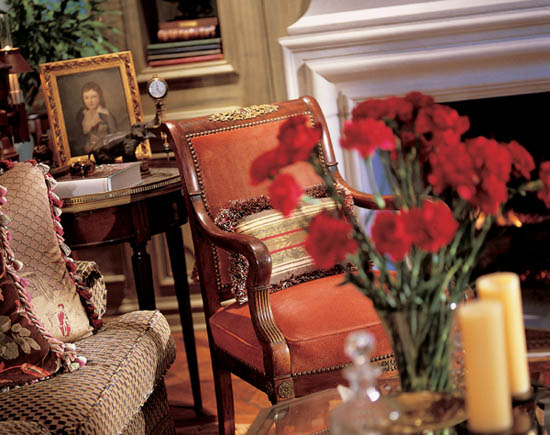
point(289, 343)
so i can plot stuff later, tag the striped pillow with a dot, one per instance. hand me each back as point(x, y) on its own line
point(284, 237)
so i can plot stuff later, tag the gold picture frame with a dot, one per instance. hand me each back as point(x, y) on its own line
point(65, 84)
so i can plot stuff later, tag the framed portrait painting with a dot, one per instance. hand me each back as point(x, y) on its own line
point(89, 98)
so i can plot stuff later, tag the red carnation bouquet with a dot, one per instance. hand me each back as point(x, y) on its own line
point(447, 192)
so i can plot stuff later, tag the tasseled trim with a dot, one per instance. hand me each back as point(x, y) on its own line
point(64, 351)
point(82, 287)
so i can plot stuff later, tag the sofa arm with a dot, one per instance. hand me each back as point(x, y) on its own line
point(90, 275)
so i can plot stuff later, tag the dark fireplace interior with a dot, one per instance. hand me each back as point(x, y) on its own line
point(509, 248)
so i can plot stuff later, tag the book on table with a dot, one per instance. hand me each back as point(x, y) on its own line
point(105, 178)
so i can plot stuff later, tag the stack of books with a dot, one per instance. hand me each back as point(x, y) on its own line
point(185, 41)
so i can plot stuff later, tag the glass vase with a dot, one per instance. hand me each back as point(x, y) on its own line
point(423, 341)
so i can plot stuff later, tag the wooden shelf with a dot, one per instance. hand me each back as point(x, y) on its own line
point(199, 69)
point(137, 16)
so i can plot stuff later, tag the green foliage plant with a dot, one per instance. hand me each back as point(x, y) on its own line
point(54, 30)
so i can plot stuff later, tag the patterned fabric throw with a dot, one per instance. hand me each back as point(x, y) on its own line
point(28, 352)
point(58, 295)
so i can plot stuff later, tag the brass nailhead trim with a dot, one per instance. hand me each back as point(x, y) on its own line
point(320, 370)
point(217, 266)
point(381, 357)
point(386, 366)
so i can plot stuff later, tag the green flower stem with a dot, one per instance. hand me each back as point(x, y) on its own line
point(477, 243)
point(415, 201)
point(402, 175)
point(417, 260)
point(394, 187)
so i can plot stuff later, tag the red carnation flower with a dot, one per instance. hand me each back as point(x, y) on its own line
point(285, 193)
point(366, 136)
point(439, 117)
point(492, 166)
point(477, 170)
point(329, 240)
point(267, 165)
point(439, 125)
point(418, 99)
point(490, 195)
point(297, 139)
point(452, 167)
point(432, 226)
point(373, 108)
point(402, 108)
point(544, 174)
point(390, 236)
point(522, 161)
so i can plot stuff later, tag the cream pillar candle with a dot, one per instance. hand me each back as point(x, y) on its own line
point(488, 401)
point(505, 288)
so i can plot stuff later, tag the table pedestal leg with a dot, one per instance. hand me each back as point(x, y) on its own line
point(143, 276)
point(179, 270)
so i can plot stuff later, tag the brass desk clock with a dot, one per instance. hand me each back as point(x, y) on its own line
point(157, 88)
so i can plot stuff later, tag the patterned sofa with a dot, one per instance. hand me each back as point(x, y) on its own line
point(108, 381)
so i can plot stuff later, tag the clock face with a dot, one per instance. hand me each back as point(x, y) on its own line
point(157, 88)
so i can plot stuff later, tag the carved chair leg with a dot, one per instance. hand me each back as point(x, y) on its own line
point(224, 400)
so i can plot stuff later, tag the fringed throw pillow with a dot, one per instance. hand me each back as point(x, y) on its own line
point(61, 298)
point(284, 237)
point(28, 351)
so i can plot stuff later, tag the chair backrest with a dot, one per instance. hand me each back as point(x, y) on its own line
point(214, 155)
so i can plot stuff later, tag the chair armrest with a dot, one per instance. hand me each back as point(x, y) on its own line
point(365, 200)
point(90, 275)
point(257, 284)
point(254, 250)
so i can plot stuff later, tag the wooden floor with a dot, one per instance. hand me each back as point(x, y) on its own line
point(248, 400)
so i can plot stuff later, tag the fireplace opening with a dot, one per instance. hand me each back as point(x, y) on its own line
point(509, 248)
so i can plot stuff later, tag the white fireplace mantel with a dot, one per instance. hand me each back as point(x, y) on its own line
point(343, 52)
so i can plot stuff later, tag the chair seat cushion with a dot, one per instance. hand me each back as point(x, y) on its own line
point(307, 315)
point(126, 360)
